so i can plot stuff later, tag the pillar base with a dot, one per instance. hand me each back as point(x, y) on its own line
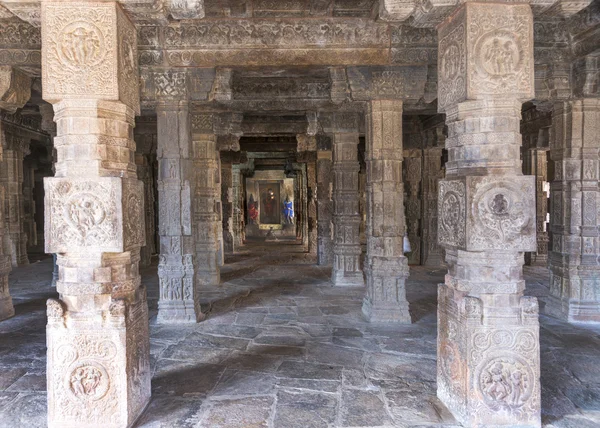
point(386, 313)
point(178, 312)
point(7, 310)
point(98, 364)
point(488, 359)
point(208, 278)
point(347, 279)
point(572, 311)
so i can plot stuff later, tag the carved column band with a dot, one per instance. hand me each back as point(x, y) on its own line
point(488, 339)
point(346, 218)
point(98, 346)
point(179, 300)
point(6, 305)
point(386, 267)
point(575, 217)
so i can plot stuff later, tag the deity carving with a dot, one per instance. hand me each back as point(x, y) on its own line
point(82, 45)
point(505, 383)
point(88, 381)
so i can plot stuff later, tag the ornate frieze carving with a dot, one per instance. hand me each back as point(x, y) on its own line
point(186, 9)
point(368, 83)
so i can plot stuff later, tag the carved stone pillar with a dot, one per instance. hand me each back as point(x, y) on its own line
point(97, 335)
point(179, 300)
point(207, 197)
point(386, 267)
point(238, 208)
point(413, 167)
point(219, 210)
point(6, 305)
point(227, 205)
point(49, 126)
point(433, 172)
point(488, 339)
point(346, 218)
point(311, 181)
point(29, 226)
point(537, 158)
point(575, 219)
point(324, 204)
point(11, 178)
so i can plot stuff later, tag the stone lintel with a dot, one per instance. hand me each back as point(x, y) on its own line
point(15, 89)
point(391, 82)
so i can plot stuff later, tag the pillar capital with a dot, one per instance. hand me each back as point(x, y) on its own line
point(485, 51)
point(90, 52)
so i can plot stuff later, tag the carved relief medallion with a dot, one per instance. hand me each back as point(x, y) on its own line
point(81, 45)
point(87, 381)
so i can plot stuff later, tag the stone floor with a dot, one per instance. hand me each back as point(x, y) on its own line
point(281, 348)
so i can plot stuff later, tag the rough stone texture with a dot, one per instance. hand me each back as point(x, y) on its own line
point(6, 305)
point(346, 219)
point(488, 340)
point(386, 267)
point(575, 220)
point(176, 190)
point(98, 366)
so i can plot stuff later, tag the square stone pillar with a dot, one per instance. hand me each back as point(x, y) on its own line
point(386, 267)
point(179, 300)
point(488, 339)
point(207, 196)
point(324, 204)
point(575, 213)
point(346, 218)
point(227, 205)
point(538, 166)
point(6, 305)
point(238, 208)
point(11, 178)
point(98, 365)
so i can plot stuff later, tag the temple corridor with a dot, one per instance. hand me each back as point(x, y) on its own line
point(282, 348)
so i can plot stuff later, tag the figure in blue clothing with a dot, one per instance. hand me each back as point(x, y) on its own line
point(288, 211)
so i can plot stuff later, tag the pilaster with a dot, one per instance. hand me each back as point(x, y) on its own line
point(386, 267)
point(6, 305)
point(575, 219)
point(97, 335)
point(488, 331)
point(324, 201)
point(179, 300)
point(346, 218)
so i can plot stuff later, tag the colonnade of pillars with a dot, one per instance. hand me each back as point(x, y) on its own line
point(487, 329)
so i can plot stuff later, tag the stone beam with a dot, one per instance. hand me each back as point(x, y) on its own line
point(15, 89)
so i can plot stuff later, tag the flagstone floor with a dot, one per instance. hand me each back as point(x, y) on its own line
point(282, 348)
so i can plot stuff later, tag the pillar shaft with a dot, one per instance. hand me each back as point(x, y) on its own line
point(98, 364)
point(207, 196)
point(179, 300)
point(538, 160)
point(346, 218)
point(6, 305)
point(11, 178)
point(575, 220)
point(488, 340)
point(386, 267)
point(324, 207)
point(433, 172)
point(238, 209)
point(413, 165)
point(227, 205)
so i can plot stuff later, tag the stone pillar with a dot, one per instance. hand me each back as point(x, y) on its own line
point(29, 226)
point(49, 126)
point(6, 305)
point(346, 218)
point(206, 208)
point(98, 365)
point(575, 216)
point(146, 143)
point(238, 208)
point(324, 201)
point(433, 172)
point(179, 301)
point(386, 267)
point(311, 177)
point(11, 178)
point(538, 166)
point(219, 211)
point(227, 205)
point(412, 178)
point(488, 340)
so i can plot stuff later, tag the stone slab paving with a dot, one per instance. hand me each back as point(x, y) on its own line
point(282, 348)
